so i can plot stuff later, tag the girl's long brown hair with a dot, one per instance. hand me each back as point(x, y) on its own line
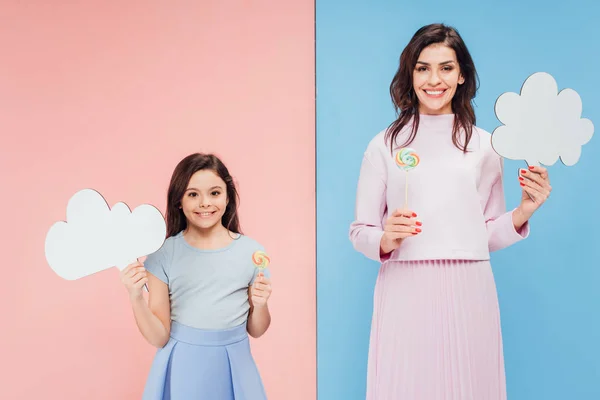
point(176, 221)
point(405, 99)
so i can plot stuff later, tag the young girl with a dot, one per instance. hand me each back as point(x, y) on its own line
point(436, 327)
point(205, 293)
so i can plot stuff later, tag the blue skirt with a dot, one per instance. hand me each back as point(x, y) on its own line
point(201, 364)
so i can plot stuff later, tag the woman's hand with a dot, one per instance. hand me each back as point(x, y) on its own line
point(536, 189)
point(400, 225)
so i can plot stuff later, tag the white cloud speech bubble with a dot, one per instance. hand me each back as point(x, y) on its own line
point(541, 124)
point(95, 238)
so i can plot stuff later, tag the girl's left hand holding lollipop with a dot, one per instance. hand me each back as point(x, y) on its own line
point(260, 291)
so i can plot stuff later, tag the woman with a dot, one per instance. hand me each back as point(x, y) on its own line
point(436, 327)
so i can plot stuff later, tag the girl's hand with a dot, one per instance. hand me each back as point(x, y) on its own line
point(400, 225)
point(535, 183)
point(260, 291)
point(134, 278)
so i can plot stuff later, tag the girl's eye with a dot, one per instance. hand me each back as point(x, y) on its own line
point(216, 193)
point(192, 194)
point(421, 69)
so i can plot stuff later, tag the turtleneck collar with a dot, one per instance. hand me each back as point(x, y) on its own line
point(436, 122)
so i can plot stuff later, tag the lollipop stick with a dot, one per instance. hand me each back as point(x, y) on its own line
point(406, 191)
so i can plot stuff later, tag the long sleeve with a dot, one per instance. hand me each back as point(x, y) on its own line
point(458, 196)
point(500, 228)
point(366, 230)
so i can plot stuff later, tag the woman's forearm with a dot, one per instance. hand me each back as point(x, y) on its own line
point(519, 218)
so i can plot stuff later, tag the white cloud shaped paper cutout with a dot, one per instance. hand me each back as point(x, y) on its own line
point(95, 237)
point(541, 124)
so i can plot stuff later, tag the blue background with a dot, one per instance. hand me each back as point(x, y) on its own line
point(548, 284)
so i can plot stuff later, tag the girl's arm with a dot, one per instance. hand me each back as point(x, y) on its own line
point(259, 317)
point(258, 320)
point(153, 317)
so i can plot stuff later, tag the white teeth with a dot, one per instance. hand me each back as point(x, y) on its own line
point(434, 92)
point(205, 214)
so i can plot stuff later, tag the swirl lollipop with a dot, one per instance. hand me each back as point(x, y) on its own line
point(260, 259)
point(407, 159)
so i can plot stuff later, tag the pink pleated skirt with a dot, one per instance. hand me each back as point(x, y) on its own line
point(435, 333)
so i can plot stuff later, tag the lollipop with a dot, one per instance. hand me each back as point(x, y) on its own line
point(260, 259)
point(407, 159)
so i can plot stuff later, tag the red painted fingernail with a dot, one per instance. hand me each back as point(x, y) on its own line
point(414, 215)
point(417, 229)
point(414, 233)
point(521, 178)
point(523, 171)
point(419, 223)
point(522, 184)
point(531, 167)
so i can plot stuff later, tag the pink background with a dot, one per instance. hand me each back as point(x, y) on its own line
point(111, 96)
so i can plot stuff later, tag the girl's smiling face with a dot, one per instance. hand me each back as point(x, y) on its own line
point(205, 200)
